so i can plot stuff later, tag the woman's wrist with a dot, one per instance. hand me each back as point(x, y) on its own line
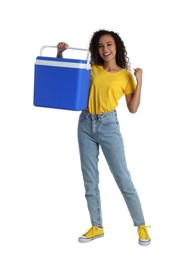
point(59, 54)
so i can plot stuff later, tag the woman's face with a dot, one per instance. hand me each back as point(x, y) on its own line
point(107, 48)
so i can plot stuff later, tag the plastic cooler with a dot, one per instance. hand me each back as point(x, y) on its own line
point(62, 83)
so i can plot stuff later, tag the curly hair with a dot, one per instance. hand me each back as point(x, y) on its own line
point(122, 59)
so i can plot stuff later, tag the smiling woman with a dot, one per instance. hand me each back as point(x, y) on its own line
point(98, 126)
point(41, 192)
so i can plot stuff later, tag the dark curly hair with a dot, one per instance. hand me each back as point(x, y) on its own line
point(122, 59)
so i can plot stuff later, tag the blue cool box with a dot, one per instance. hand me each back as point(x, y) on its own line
point(61, 83)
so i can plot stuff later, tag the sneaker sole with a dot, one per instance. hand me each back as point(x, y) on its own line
point(86, 240)
point(144, 243)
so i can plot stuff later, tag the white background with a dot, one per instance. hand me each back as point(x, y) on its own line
point(42, 204)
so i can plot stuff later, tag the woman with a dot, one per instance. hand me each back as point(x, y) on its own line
point(98, 127)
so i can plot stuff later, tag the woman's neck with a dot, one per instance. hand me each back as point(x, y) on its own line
point(111, 67)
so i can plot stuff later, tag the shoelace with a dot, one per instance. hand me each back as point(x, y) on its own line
point(142, 231)
point(90, 231)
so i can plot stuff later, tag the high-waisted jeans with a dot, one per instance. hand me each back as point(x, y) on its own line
point(103, 131)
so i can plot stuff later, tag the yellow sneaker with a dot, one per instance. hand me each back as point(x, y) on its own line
point(144, 239)
point(93, 233)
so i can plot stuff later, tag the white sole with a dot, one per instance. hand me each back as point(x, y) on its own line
point(86, 240)
point(144, 243)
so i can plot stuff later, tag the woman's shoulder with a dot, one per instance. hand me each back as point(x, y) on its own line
point(96, 67)
point(127, 73)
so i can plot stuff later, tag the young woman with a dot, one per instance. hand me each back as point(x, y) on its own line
point(98, 126)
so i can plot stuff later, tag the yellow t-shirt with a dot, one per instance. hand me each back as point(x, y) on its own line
point(107, 88)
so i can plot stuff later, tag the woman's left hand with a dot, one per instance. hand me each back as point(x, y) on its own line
point(138, 72)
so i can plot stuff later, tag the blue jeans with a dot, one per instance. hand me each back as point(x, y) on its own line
point(103, 131)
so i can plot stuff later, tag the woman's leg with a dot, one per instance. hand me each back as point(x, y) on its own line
point(112, 145)
point(89, 152)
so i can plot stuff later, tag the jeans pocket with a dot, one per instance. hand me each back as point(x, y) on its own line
point(82, 117)
point(110, 121)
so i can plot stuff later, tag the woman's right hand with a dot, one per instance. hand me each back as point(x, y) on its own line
point(61, 46)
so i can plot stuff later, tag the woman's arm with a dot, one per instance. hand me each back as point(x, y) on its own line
point(61, 46)
point(133, 100)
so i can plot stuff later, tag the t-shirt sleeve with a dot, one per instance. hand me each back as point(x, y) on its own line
point(131, 84)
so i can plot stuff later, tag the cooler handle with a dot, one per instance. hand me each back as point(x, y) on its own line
point(71, 48)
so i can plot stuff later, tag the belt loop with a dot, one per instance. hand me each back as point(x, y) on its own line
point(87, 115)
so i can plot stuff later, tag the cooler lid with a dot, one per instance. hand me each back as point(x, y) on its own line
point(62, 62)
